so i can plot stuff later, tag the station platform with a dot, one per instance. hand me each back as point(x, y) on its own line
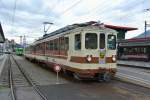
point(140, 64)
point(2, 62)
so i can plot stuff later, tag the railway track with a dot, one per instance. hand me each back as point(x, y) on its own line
point(18, 77)
point(52, 92)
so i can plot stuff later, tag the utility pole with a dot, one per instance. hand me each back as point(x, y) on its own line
point(24, 41)
point(146, 25)
point(145, 28)
point(20, 40)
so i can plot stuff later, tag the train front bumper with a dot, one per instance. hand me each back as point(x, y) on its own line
point(92, 73)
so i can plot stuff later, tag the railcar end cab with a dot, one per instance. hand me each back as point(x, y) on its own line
point(93, 52)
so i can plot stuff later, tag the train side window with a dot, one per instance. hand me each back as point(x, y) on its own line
point(55, 45)
point(102, 41)
point(78, 42)
point(66, 43)
point(91, 41)
point(51, 45)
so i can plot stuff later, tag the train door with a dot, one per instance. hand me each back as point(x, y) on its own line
point(111, 48)
point(102, 54)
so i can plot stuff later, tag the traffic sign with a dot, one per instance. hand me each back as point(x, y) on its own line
point(57, 68)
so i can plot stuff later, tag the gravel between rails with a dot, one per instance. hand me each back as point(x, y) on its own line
point(40, 75)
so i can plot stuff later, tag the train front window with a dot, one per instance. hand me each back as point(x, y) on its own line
point(91, 41)
point(77, 41)
point(111, 42)
point(102, 41)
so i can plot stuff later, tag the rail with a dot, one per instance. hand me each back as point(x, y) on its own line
point(12, 89)
point(27, 77)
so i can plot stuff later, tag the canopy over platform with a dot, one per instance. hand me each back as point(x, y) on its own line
point(2, 38)
point(120, 27)
point(121, 30)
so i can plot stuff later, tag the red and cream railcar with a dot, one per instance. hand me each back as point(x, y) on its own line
point(83, 50)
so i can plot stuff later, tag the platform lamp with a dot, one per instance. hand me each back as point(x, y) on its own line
point(46, 23)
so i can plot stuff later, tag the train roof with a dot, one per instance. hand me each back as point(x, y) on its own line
point(91, 23)
point(71, 27)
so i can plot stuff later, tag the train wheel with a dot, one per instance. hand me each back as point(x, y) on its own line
point(100, 77)
point(76, 76)
point(104, 77)
point(67, 73)
point(107, 77)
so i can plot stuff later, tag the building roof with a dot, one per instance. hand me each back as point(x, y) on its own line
point(144, 35)
point(120, 27)
point(135, 42)
point(2, 38)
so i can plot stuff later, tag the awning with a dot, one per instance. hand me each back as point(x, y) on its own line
point(120, 27)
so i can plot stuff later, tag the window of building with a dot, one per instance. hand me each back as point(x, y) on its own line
point(91, 41)
point(77, 41)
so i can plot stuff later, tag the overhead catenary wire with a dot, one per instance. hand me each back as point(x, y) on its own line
point(127, 15)
point(69, 8)
point(13, 15)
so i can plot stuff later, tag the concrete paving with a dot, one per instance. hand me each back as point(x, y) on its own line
point(4, 90)
point(39, 74)
point(2, 62)
point(92, 91)
point(141, 64)
point(27, 93)
point(135, 75)
point(5, 93)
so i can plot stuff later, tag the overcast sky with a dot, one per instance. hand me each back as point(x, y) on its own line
point(30, 14)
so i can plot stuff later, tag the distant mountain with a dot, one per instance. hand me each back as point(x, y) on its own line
point(142, 35)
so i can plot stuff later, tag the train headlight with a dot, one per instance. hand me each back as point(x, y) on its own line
point(113, 58)
point(89, 58)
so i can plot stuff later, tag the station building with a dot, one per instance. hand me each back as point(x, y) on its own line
point(137, 48)
point(2, 38)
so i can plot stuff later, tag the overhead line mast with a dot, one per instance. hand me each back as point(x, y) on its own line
point(146, 24)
